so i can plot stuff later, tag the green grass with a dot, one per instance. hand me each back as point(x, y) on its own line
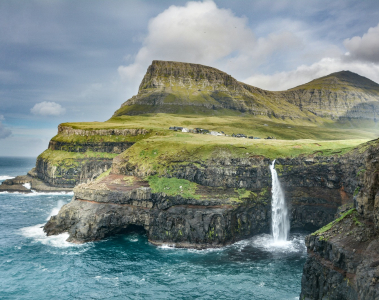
point(79, 139)
point(331, 224)
point(104, 174)
point(156, 154)
point(173, 187)
point(257, 126)
point(57, 157)
point(243, 193)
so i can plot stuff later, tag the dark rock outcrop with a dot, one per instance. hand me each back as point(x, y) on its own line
point(343, 257)
point(342, 263)
point(20, 184)
point(69, 175)
point(315, 187)
point(107, 207)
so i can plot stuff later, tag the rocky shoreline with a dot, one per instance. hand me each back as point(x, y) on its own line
point(29, 183)
point(216, 218)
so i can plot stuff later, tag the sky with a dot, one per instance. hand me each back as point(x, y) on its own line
point(74, 61)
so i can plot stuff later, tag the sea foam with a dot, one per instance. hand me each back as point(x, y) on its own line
point(36, 232)
point(5, 177)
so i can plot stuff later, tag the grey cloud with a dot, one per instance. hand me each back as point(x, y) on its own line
point(364, 48)
point(305, 73)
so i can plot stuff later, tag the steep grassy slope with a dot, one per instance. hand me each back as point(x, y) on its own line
point(183, 88)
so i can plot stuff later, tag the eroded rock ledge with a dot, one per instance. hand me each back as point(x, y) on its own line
point(116, 202)
point(315, 187)
point(343, 260)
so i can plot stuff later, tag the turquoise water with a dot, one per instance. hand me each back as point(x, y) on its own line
point(33, 266)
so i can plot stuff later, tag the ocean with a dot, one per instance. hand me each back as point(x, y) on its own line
point(33, 266)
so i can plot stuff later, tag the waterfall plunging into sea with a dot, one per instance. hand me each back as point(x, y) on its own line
point(280, 224)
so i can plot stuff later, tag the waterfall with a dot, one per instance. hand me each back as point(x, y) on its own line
point(279, 214)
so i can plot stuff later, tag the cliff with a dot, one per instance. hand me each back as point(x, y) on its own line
point(343, 257)
point(207, 201)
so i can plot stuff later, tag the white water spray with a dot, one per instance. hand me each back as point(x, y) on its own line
point(279, 214)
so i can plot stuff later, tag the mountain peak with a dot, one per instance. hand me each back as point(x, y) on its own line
point(159, 72)
point(342, 79)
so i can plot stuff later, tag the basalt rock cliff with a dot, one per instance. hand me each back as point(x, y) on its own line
point(343, 257)
point(215, 215)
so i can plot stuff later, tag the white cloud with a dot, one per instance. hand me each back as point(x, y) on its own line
point(362, 58)
point(46, 108)
point(304, 73)
point(364, 48)
point(2, 118)
point(4, 132)
point(200, 32)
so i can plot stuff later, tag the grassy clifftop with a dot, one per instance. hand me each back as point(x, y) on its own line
point(257, 126)
point(156, 154)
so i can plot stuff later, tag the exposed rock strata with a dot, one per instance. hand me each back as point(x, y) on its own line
point(315, 187)
point(338, 95)
point(103, 132)
point(109, 207)
point(67, 176)
point(108, 147)
point(343, 261)
point(69, 172)
point(17, 184)
point(174, 87)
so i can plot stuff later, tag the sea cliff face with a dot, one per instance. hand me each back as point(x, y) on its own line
point(343, 257)
point(215, 215)
point(76, 155)
point(116, 202)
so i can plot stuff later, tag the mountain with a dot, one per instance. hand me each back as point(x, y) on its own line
point(184, 88)
point(339, 95)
